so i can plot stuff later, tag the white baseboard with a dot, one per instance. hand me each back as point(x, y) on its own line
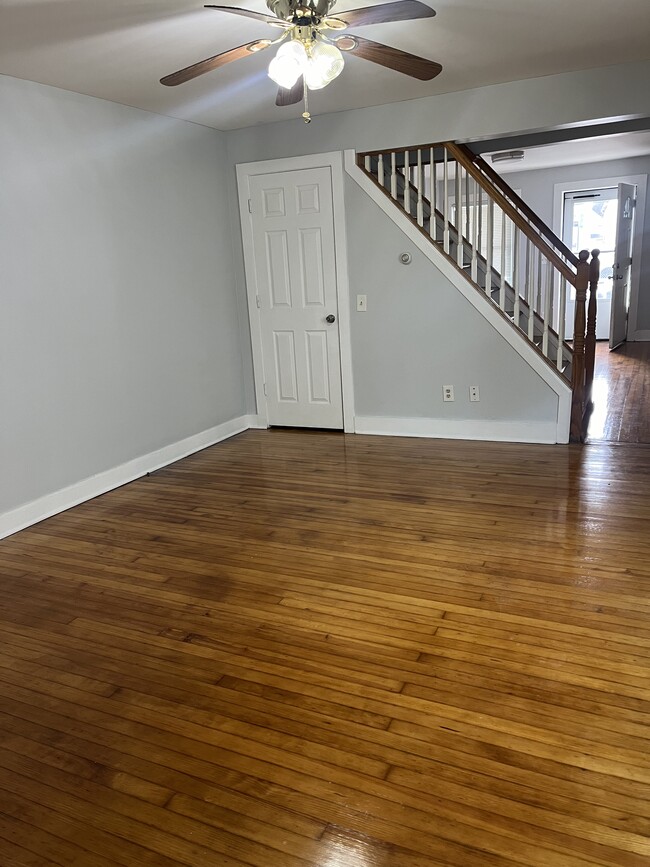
point(640, 335)
point(461, 429)
point(51, 504)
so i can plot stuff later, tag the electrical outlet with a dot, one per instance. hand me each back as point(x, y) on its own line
point(474, 393)
point(362, 303)
point(448, 392)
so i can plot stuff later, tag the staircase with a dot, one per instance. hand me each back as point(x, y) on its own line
point(503, 249)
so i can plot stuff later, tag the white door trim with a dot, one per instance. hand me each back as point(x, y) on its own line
point(641, 182)
point(333, 161)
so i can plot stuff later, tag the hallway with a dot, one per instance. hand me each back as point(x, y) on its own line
point(621, 394)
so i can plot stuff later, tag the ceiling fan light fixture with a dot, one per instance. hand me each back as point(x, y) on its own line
point(288, 64)
point(324, 63)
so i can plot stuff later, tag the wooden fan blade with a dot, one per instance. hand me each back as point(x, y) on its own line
point(248, 13)
point(211, 63)
point(291, 95)
point(400, 10)
point(393, 58)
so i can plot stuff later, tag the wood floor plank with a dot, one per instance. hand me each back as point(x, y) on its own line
point(300, 648)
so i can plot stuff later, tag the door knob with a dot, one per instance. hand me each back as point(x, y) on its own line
point(331, 318)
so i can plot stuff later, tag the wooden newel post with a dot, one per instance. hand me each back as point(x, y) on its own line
point(578, 366)
point(590, 339)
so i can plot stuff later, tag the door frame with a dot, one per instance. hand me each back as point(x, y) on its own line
point(245, 171)
point(641, 183)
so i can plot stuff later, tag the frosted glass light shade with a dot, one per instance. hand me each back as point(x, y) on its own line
point(323, 65)
point(288, 64)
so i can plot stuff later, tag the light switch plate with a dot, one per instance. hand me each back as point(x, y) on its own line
point(362, 303)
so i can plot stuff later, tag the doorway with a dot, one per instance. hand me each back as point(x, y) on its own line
point(589, 221)
point(564, 228)
point(295, 262)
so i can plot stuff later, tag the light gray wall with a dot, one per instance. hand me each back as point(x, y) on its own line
point(420, 333)
point(119, 329)
point(537, 189)
point(519, 106)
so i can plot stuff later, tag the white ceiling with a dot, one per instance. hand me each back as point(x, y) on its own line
point(119, 49)
point(569, 153)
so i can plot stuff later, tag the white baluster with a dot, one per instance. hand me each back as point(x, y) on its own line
point(475, 219)
point(502, 289)
point(539, 307)
point(380, 170)
point(468, 222)
point(459, 216)
point(515, 277)
point(420, 184)
point(367, 163)
point(433, 195)
point(560, 326)
point(490, 246)
point(393, 175)
point(445, 193)
point(407, 184)
point(530, 290)
point(548, 288)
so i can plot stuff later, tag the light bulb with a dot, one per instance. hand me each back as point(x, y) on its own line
point(288, 64)
point(325, 62)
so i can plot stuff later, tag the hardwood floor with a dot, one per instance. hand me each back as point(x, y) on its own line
point(621, 394)
point(303, 648)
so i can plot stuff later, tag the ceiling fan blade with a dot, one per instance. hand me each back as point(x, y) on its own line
point(393, 58)
point(400, 10)
point(291, 95)
point(248, 13)
point(215, 62)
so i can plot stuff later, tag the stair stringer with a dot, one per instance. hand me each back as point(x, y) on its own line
point(483, 305)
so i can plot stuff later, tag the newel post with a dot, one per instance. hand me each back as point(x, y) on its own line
point(590, 340)
point(578, 366)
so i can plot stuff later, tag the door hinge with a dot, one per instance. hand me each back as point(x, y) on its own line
point(257, 301)
point(250, 207)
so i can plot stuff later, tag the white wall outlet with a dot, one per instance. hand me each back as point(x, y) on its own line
point(362, 303)
point(474, 393)
point(448, 392)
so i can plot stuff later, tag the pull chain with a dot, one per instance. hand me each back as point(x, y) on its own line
point(305, 115)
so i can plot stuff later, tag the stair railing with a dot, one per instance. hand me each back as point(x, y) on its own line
point(502, 247)
point(533, 219)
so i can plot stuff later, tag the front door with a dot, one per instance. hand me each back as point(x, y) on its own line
point(622, 265)
point(295, 263)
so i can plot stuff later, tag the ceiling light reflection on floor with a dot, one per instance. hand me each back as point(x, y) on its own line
point(346, 848)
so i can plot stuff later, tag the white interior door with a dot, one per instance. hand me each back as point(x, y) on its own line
point(622, 265)
point(295, 264)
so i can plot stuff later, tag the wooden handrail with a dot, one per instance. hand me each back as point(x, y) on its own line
point(521, 205)
point(509, 209)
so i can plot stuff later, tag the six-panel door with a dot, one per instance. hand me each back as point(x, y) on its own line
point(295, 262)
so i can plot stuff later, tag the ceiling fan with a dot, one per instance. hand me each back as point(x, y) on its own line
point(310, 56)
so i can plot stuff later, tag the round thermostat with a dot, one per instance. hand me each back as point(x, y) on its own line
point(405, 258)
